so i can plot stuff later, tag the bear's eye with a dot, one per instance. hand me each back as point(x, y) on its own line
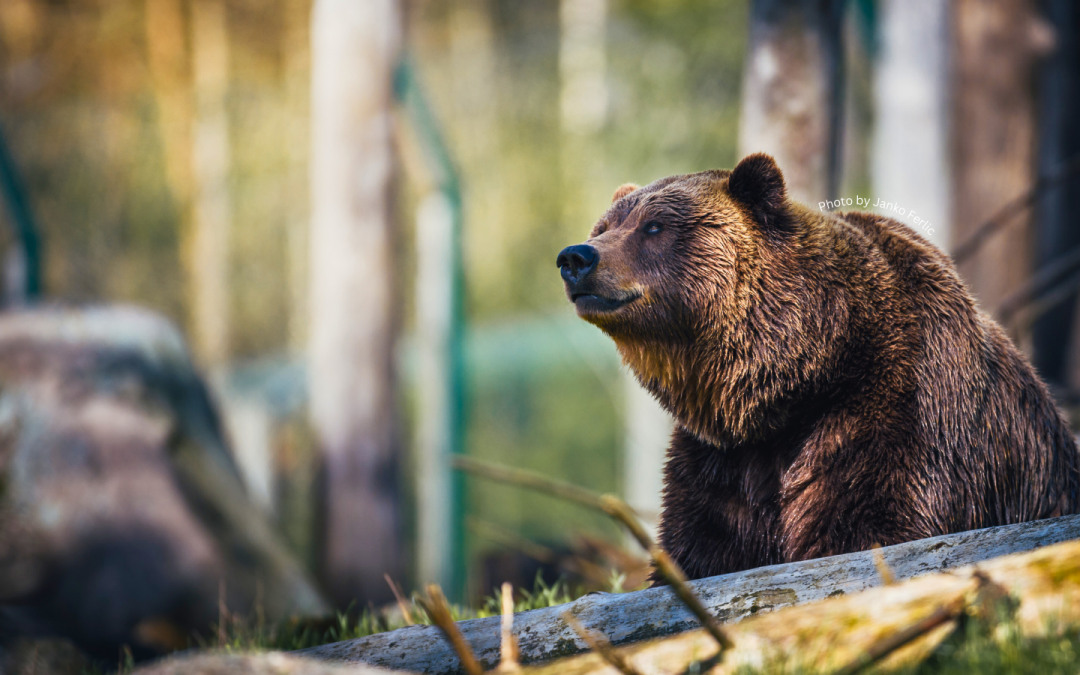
point(653, 227)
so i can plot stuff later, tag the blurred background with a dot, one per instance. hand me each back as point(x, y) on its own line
point(350, 212)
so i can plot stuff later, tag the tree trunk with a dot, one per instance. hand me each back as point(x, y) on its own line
point(354, 299)
point(995, 44)
point(297, 69)
point(911, 114)
point(208, 246)
point(1059, 219)
point(167, 58)
point(583, 96)
point(434, 413)
point(792, 92)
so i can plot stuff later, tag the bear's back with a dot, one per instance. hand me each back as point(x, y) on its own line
point(990, 427)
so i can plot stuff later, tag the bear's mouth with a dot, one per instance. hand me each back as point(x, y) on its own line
point(591, 303)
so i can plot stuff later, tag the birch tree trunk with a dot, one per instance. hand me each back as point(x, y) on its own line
point(910, 162)
point(792, 92)
point(355, 47)
point(434, 423)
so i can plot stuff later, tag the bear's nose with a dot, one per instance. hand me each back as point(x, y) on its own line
point(577, 261)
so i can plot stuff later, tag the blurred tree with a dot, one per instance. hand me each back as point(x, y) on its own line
point(995, 45)
point(911, 111)
point(1056, 347)
point(206, 249)
point(354, 294)
point(170, 74)
point(297, 71)
point(793, 92)
point(583, 96)
point(193, 124)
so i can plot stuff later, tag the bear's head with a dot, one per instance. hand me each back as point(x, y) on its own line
point(697, 280)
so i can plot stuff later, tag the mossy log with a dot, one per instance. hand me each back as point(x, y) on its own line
point(623, 619)
point(1040, 589)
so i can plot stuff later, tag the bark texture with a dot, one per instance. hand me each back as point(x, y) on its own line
point(791, 100)
point(543, 634)
point(995, 47)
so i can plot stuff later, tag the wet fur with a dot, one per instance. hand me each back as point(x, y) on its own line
point(833, 383)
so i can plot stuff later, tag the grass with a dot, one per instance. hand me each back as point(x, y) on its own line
point(246, 634)
point(977, 648)
point(1002, 650)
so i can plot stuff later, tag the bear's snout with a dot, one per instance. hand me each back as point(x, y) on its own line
point(577, 262)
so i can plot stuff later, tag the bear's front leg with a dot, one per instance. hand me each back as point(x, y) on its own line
point(853, 502)
point(720, 507)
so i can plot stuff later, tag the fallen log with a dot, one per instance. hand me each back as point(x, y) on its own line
point(642, 615)
point(891, 628)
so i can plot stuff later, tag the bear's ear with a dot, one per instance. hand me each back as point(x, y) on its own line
point(758, 184)
point(623, 190)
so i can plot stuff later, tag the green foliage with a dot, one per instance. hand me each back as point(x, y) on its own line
point(1004, 650)
point(540, 597)
point(561, 423)
point(246, 634)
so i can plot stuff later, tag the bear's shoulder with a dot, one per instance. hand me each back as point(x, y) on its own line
point(917, 264)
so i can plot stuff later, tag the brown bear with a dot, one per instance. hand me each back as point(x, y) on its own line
point(833, 384)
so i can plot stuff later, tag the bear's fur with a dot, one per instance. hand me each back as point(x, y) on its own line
point(833, 384)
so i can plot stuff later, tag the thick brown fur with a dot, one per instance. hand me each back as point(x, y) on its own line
point(833, 383)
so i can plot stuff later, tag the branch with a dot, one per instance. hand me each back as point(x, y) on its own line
point(436, 608)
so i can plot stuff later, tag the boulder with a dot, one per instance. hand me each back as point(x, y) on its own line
point(123, 519)
point(270, 663)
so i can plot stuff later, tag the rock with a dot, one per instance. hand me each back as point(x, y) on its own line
point(42, 657)
point(271, 663)
point(122, 514)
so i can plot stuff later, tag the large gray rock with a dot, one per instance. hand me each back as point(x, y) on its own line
point(271, 663)
point(122, 515)
point(49, 656)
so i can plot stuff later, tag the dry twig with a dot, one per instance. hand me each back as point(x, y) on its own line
point(668, 569)
point(528, 479)
point(599, 644)
point(223, 615)
point(617, 509)
point(508, 651)
point(883, 569)
point(571, 564)
point(400, 598)
point(437, 608)
point(1007, 213)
